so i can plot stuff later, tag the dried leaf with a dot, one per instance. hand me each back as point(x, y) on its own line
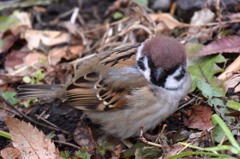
point(36, 38)
point(166, 20)
point(232, 82)
point(15, 20)
point(83, 136)
point(199, 117)
point(200, 18)
point(5, 79)
point(11, 153)
point(4, 114)
point(24, 19)
point(9, 38)
point(227, 44)
point(173, 150)
point(34, 58)
point(230, 70)
point(31, 142)
point(116, 6)
point(68, 53)
point(14, 58)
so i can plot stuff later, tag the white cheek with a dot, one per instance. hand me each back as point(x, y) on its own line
point(171, 82)
point(146, 72)
point(139, 50)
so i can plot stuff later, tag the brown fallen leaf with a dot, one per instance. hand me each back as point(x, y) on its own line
point(228, 44)
point(36, 38)
point(5, 79)
point(30, 63)
point(9, 38)
point(24, 19)
point(4, 113)
point(233, 114)
point(173, 150)
point(201, 17)
point(165, 20)
point(199, 117)
point(34, 58)
point(83, 137)
point(67, 53)
point(232, 83)
point(15, 58)
point(116, 6)
point(230, 70)
point(31, 142)
point(11, 153)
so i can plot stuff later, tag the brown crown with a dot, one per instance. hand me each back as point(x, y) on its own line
point(165, 52)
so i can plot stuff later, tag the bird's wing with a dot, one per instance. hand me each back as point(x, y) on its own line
point(96, 91)
point(120, 57)
point(90, 92)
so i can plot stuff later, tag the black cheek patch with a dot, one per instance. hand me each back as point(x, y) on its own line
point(141, 64)
point(181, 75)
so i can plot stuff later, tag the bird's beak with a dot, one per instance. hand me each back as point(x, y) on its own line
point(159, 73)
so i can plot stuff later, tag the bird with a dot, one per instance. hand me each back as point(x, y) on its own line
point(127, 90)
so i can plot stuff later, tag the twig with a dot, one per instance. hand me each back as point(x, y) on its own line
point(187, 103)
point(142, 138)
point(74, 15)
point(160, 134)
point(67, 143)
point(48, 122)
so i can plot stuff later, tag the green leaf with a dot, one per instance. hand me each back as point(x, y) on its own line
point(27, 3)
point(233, 105)
point(27, 102)
point(5, 134)
point(39, 76)
point(218, 134)
point(193, 48)
point(7, 21)
point(183, 154)
point(203, 72)
point(1, 44)
point(130, 152)
point(205, 69)
point(65, 154)
point(207, 90)
point(218, 121)
point(117, 15)
point(102, 150)
point(148, 152)
point(27, 79)
point(143, 3)
point(82, 153)
point(9, 95)
point(216, 102)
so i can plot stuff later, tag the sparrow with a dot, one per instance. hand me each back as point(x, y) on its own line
point(126, 90)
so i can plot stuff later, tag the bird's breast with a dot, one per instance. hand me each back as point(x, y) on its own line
point(143, 111)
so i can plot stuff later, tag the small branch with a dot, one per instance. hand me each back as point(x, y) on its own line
point(142, 138)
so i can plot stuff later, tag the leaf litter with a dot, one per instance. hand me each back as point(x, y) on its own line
point(47, 51)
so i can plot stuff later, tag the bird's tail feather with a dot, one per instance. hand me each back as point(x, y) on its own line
point(40, 91)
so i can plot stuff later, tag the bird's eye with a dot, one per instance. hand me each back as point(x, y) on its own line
point(140, 64)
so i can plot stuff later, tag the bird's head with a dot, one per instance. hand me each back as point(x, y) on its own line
point(162, 60)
